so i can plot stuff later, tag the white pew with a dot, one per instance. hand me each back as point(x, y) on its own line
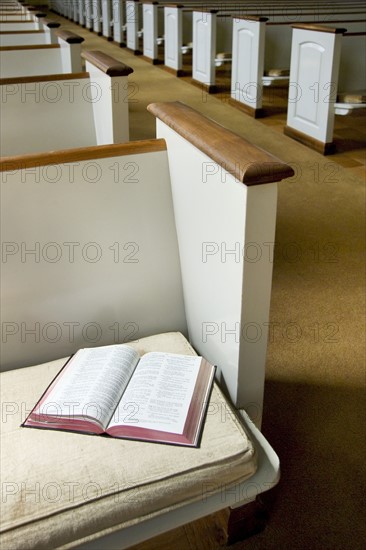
point(97, 17)
point(119, 26)
point(107, 19)
point(18, 38)
point(150, 208)
point(153, 24)
point(22, 25)
point(311, 107)
point(133, 25)
point(46, 59)
point(82, 109)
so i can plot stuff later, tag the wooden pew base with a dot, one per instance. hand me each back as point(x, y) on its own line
point(154, 61)
point(246, 521)
point(135, 52)
point(175, 72)
point(252, 111)
point(208, 88)
point(319, 146)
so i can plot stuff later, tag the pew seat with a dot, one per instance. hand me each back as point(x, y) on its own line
point(117, 243)
point(76, 488)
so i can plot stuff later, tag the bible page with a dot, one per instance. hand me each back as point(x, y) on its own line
point(159, 393)
point(91, 384)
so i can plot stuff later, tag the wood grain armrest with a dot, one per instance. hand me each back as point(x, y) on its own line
point(50, 24)
point(246, 162)
point(251, 18)
point(107, 64)
point(320, 28)
point(40, 15)
point(69, 37)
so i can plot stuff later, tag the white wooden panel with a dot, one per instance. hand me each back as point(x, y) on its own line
point(313, 83)
point(105, 264)
point(247, 62)
point(110, 107)
point(173, 37)
point(150, 25)
point(97, 16)
point(61, 111)
point(106, 18)
point(88, 14)
point(226, 271)
point(81, 12)
point(204, 47)
point(117, 21)
point(27, 26)
point(18, 63)
point(23, 39)
point(132, 22)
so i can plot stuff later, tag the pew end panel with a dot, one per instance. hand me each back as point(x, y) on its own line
point(315, 58)
point(216, 250)
point(248, 64)
point(111, 110)
point(91, 203)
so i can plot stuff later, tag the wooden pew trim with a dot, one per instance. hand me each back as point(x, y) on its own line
point(320, 28)
point(43, 78)
point(316, 145)
point(50, 24)
point(107, 64)
point(29, 47)
point(69, 37)
point(21, 162)
point(247, 163)
point(21, 32)
point(251, 18)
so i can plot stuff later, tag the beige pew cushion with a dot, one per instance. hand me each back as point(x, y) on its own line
point(352, 97)
point(63, 488)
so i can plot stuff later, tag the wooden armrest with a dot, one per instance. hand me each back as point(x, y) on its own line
point(246, 162)
point(21, 162)
point(251, 18)
point(107, 64)
point(69, 37)
point(320, 28)
point(50, 24)
point(40, 15)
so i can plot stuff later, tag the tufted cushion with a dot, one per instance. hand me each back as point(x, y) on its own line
point(60, 488)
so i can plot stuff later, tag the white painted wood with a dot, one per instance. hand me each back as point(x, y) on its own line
point(204, 47)
point(24, 26)
point(60, 105)
point(46, 37)
point(88, 14)
point(173, 28)
point(97, 16)
point(106, 18)
point(315, 57)
point(133, 23)
point(100, 231)
point(70, 57)
point(110, 106)
point(118, 21)
point(150, 34)
point(248, 62)
point(232, 328)
point(81, 12)
point(15, 63)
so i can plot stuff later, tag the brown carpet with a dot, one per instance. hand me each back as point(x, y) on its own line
point(314, 413)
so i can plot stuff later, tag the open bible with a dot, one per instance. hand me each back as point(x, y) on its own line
point(111, 390)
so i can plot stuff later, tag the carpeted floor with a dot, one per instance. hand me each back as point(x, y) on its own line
point(314, 413)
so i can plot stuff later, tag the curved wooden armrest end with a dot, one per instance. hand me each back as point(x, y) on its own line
point(41, 15)
point(69, 37)
point(106, 63)
point(320, 28)
point(50, 24)
point(243, 160)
